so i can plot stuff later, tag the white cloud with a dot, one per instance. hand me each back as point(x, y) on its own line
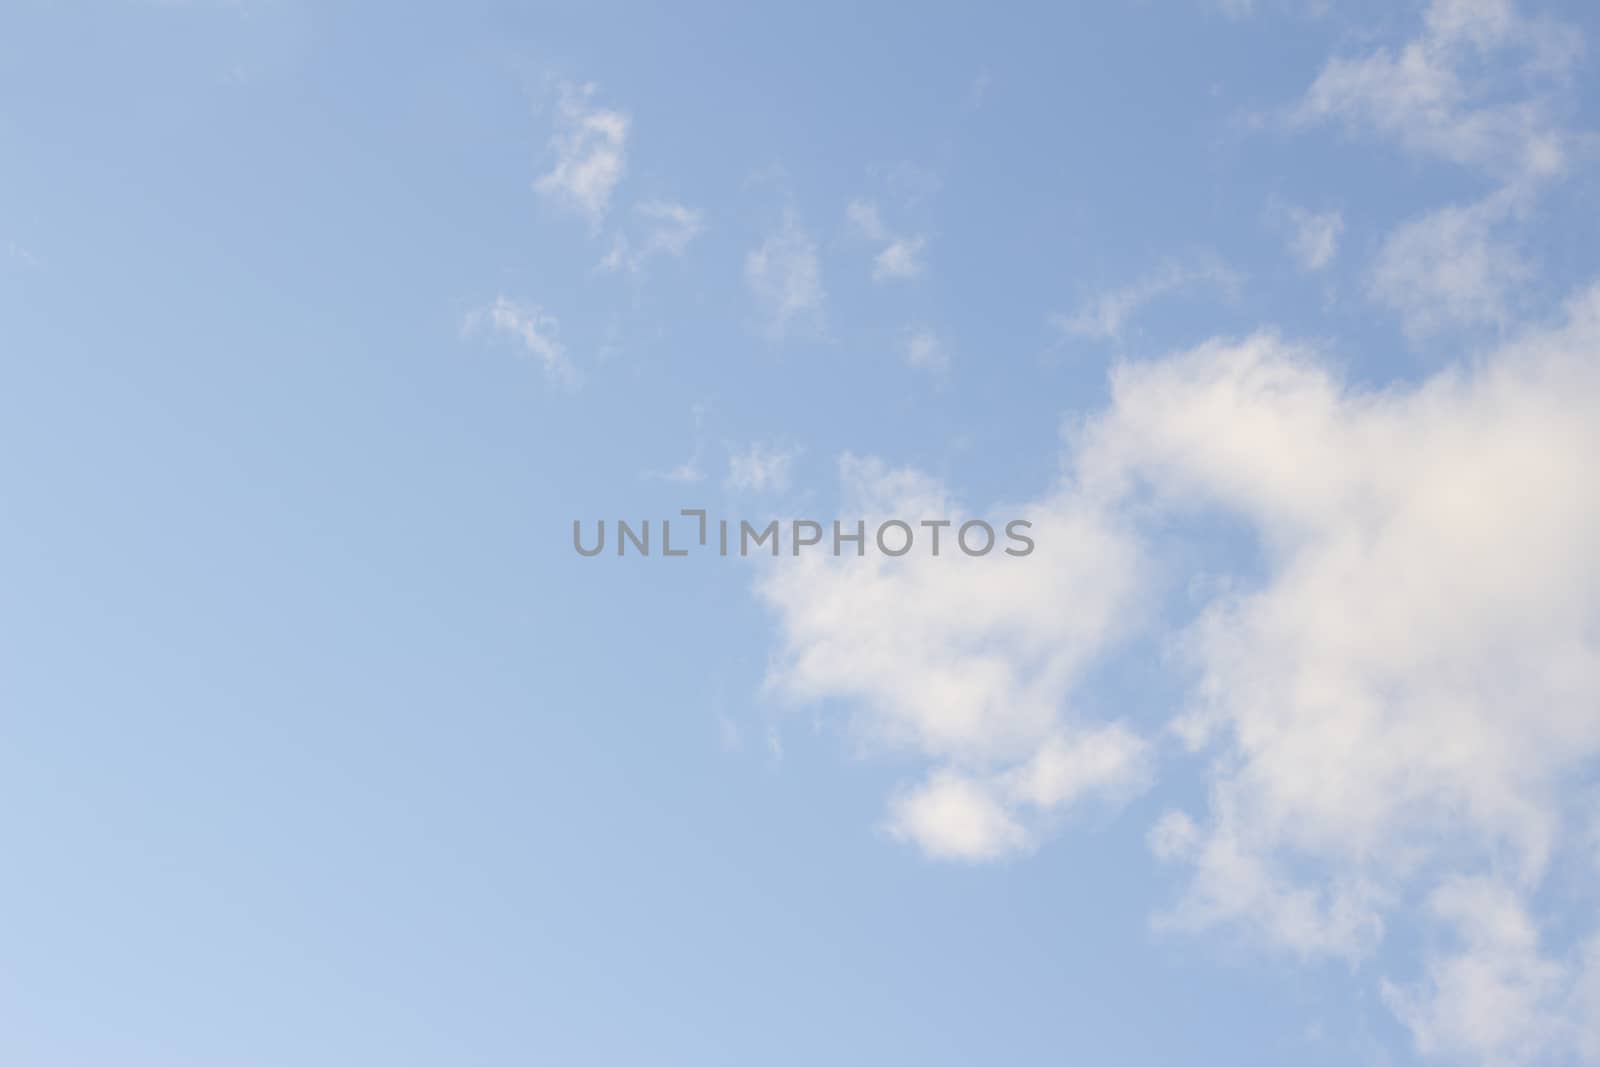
point(785, 277)
point(1174, 836)
point(590, 150)
point(1393, 698)
point(900, 257)
point(1456, 266)
point(1584, 1003)
point(985, 816)
point(534, 328)
point(1494, 999)
point(1401, 699)
point(1233, 883)
point(864, 214)
point(1481, 86)
point(952, 817)
point(964, 816)
point(1313, 236)
point(1111, 760)
point(760, 468)
point(668, 230)
point(1105, 316)
point(925, 350)
point(1438, 96)
point(1413, 650)
point(969, 662)
point(686, 473)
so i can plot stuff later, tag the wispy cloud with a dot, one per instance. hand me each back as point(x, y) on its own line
point(1481, 85)
point(668, 227)
point(686, 473)
point(785, 277)
point(20, 255)
point(533, 328)
point(1456, 266)
point(1313, 236)
point(1422, 97)
point(1106, 316)
point(1494, 997)
point(925, 350)
point(760, 468)
point(900, 257)
point(590, 150)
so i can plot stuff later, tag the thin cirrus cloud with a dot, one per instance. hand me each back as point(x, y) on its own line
point(688, 472)
point(1106, 316)
point(668, 229)
point(535, 330)
point(760, 467)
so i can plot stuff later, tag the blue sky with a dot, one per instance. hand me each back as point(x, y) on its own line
point(320, 324)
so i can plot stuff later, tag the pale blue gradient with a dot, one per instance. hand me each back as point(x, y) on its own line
point(318, 745)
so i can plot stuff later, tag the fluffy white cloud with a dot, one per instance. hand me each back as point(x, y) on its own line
point(952, 817)
point(785, 277)
point(968, 661)
point(1111, 760)
point(1402, 700)
point(1393, 698)
point(1104, 317)
point(965, 816)
point(1420, 643)
point(534, 328)
point(590, 150)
